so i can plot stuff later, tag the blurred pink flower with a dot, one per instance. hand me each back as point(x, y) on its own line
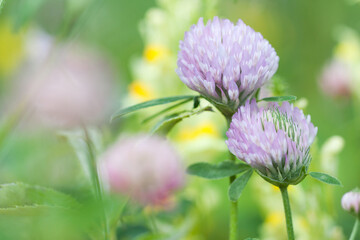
point(66, 85)
point(351, 202)
point(335, 80)
point(145, 168)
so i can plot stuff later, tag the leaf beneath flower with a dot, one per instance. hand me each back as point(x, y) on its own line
point(217, 171)
point(166, 124)
point(279, 99)
point(238, 185)
point(151, 103)
point(323, 177)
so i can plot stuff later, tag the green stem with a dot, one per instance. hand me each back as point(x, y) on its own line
point(355, 229)
point(287, 209)
point(233, 216)
point(96, 181)
point(233, 205)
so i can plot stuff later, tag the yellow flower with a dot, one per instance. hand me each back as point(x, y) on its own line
point(275, 219)
point(291, 188)
point(140, 90)
point(348, 50)
point(154, 52)
point(190, 133)
point(11, 48)
point(303, 223)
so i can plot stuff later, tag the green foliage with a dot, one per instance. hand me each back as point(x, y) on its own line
point(23, 199)
point(151, 103)
point(217, 171)
point(166, 110)
point(279, 99)
point(323, 177)
point(196, 102)
point(278, 86)
point(77, 141)
point(165, 125)
point(238, 185)
point(2, 2)
point(131, 231)
point(24, 11)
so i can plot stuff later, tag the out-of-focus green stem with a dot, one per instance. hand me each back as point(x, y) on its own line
point(287, 209)
point(95, 181)
point(355, 230)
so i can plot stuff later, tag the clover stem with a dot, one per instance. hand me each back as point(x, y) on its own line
point(355, 229)
point(233, 216)
point(233, 205)
point(287, 209)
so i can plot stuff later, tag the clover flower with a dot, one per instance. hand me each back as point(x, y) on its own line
point(336, 79)
point(70, 88)
point(274, 140)
point(226, 63)
point(351, 202)
point(145, 168)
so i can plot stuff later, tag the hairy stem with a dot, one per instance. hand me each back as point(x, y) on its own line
point(355, 229)
point(287, 209)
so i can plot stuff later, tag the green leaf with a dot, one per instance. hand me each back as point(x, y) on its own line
point(279, 99)
point(151, 103)
point(167, 123)
point(323, 177)
point(24, 11)
point(23, 199)
point(166, 110)
point(196, 102)
point(217, 171)
point(238, 185)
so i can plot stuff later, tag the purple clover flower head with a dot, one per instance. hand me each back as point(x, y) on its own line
point(145, 168)
point(226, 63)
point(274, 140)
point(351, 202)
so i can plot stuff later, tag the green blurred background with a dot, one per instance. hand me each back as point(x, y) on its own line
point(304, 34)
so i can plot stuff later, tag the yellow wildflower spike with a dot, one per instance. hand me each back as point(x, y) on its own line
point(11, 48)
point(191, 133)
point(154, 52)
point(140, 90)
point(275, 219)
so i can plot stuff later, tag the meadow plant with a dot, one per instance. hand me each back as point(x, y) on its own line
point(351, 203)
point(227, 64)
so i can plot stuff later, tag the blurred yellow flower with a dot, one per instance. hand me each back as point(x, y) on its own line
point(348, 50)
point(11, 48)
point(275, 219)
point(190, 133)
point(154, 52)
point(140, 90)
point(303, 223)
point(276, 189)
